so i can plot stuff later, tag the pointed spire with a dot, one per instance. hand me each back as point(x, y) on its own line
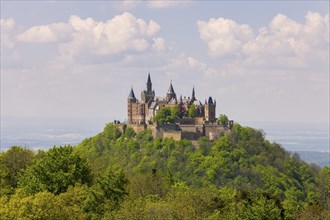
point(193, 93)
point(181, 101)
point(210, 100)
point(131, 95)
point(149, 84)
point(170, 89)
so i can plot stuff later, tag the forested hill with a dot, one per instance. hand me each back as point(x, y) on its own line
point(133, 176)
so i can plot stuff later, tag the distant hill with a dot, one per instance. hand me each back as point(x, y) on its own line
point(321, 159)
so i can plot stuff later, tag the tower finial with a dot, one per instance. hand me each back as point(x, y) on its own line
point(149, 84)
point(193, 94)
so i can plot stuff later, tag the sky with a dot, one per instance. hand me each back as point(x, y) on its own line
point(261, 61)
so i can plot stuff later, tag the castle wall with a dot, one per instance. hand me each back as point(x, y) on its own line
point(154, 131)
point(191, 135)
point(191, 121)
point(176, 135)
point(214, 131)
point(192, 128)
point(138, 127)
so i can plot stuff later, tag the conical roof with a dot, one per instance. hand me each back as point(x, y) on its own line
point(131, 94)
point(193, 93)
point(210, 100)
point(170, 89)
point(149, 80)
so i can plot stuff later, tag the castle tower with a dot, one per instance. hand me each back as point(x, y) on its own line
point(149, 84)
point(131, 103)
point(210, 110)
point(193, 98)
point(170, 95)
point(147, 96)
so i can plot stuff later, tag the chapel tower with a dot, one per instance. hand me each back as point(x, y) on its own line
point(210, 110)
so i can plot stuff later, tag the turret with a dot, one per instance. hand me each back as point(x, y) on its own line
point(149, 84)
point(170, 93)
point(210, 110)
point(193, 98)
point(131, 104)
point(131, 96)
point(147, 96)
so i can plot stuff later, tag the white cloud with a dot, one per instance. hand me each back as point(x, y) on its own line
point(224, 36)
point(159, 44)
point(123, 33)
point(86, 39)
point(284, 43)
point(46, 33)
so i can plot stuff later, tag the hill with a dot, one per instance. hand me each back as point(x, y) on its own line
point(240, 175)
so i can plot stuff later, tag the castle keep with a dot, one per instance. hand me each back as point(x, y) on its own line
point(193, 120)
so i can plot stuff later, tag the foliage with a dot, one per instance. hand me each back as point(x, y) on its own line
point(12, 164)
point(56, 171)
point(107, 191)
point(223, 119)
point(240, 175)
point(164, 115)
point(192, 111)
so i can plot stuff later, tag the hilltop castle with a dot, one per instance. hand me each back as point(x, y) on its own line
point(193, 120)
point(142, 111)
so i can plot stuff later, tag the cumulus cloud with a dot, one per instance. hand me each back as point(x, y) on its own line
point(46, 33)
point(224, 36)
point(284, 42)
point(89, 38)
point(123, 33)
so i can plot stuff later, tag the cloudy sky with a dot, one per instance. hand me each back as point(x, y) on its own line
point(262, 61)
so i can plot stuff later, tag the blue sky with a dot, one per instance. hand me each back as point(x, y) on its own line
point(262, 61)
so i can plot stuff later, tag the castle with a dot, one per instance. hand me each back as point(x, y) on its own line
point(193, 119)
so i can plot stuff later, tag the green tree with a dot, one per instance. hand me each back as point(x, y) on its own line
point(175, 111)
point(164, 115)
point(129, 132)
point(223, 119)
point(192, 111)
point(106, 193)
point(111, 131)
point(56, 171)
point(12, 164)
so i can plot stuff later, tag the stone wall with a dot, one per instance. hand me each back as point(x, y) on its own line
point(191, 121)
point(137, 127)
point(191, 135)
point(176, 135)
point(214, 131)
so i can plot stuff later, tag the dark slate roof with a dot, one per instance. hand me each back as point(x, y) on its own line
point(149, 80)
point(193, 93)
point(131, 94)
point(210, 100)
point(170, 89)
